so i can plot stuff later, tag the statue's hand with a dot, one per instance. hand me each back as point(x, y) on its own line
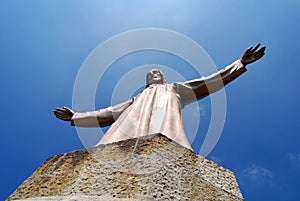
point(64, 113)
point(252, 54)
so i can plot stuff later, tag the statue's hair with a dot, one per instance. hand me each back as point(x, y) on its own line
point(162, 75)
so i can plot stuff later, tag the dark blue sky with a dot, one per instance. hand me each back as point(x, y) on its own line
point(44, 43)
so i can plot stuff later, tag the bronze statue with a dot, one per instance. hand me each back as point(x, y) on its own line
point(157, 109)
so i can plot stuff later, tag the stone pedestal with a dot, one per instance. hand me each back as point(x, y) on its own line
point(148, 168)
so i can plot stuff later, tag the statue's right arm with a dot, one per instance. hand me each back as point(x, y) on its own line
point(103, 117)
point(192, 90)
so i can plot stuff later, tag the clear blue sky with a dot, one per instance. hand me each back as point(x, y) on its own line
point(44, 43)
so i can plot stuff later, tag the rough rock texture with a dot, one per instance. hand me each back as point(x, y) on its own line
point(148, 168)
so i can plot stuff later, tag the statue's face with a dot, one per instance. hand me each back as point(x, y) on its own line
point(154, 76)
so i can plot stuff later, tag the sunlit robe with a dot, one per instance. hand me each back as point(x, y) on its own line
point(157, 109)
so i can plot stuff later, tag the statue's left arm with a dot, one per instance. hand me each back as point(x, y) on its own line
point(103, 117)
point(196, 89)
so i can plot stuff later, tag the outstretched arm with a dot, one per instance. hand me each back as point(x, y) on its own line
point(102, 117)
point(196, 89)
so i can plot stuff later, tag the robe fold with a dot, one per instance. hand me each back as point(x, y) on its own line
point(157, 109)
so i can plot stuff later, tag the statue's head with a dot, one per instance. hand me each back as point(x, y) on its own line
point(155, 76)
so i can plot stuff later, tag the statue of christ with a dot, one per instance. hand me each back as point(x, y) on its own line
point(157, 109)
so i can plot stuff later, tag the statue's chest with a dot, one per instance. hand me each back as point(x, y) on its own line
point(159, 96)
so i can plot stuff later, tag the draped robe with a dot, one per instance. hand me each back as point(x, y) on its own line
point(157, 109)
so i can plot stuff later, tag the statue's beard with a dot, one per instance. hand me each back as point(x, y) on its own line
point(155, 81)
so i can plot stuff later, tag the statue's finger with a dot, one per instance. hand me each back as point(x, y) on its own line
point(61, 116)
point(59, 112)
point(68, 110)
point(261, 50)
point(58, 115)
point(59, 109)
point(249, 48)
point(256, 47)
point(65, 118)
point(56, 112)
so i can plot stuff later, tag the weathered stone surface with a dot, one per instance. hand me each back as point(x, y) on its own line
point(76, 198)
point(148, 168)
